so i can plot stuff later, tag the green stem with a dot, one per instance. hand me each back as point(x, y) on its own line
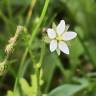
point(40, 63)
point(34, 33)
point(30, 12)
point(9, 8)
point(38, 67)
point(5, 19)
point(42, 53)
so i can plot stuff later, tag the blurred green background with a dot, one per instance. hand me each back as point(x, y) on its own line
point(79, 67)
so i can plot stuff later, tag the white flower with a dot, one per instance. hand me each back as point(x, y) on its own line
point(58, 36)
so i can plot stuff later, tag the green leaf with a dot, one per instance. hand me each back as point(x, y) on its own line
point(34, 83)
point(29, 89)
point(25, 86)
point(50, 63)
point(66, 90)
point(10, 93)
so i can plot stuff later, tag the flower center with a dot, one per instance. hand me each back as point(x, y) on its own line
point(59, 37)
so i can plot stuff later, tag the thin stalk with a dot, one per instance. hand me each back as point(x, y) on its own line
point(4, 17)
point(42, 53)
point(33, 2)
point(9, 8)
point(39, 65)
point(34, 33)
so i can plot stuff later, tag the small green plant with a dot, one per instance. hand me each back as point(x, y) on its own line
point(37, 70)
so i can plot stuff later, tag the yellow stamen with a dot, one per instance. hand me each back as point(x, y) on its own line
point(59, 37)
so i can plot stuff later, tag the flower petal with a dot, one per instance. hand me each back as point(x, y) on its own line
point(53, 45)
point(51, 33)
point(61, 27)
point(69, 35)
point(63, 47)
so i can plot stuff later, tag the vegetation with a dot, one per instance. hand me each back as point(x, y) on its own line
point(27, 67)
